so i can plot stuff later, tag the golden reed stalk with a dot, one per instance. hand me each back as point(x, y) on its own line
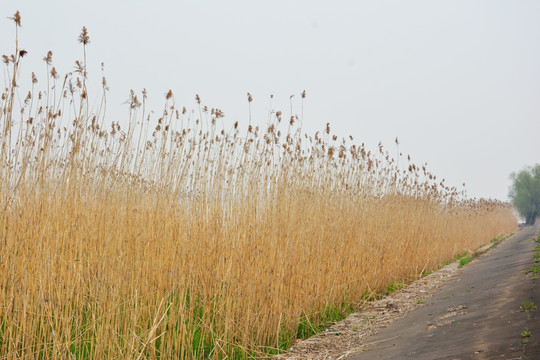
point(179, 239)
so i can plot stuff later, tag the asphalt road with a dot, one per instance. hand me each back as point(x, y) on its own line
point(478, 316)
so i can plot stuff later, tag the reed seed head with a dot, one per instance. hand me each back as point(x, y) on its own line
point(16, 18)
point(84, 38)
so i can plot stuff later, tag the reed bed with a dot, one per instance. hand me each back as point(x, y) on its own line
point(182, 237)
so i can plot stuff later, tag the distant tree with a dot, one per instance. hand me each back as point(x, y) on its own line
point(525, 193)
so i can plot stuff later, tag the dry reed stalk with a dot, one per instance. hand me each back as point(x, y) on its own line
point(177, 238)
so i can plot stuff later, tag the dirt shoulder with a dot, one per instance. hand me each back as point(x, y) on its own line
point(472, 312)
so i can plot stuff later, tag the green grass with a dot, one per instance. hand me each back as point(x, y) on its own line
point(464, 261)
point(394, 286)
point(534, 270)
point(309, 326)
point(528, 306)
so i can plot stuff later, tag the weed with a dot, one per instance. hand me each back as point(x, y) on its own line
point(533, 270)
point(528, 306)
point(464, 261)
point(394, 286)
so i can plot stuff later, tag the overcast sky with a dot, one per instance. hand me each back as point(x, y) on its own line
point(457, 81)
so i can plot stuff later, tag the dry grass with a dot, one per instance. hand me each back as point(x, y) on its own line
point(179, 238)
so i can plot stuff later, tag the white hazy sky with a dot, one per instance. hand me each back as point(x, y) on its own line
point(457, 81)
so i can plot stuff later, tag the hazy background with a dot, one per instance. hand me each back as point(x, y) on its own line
point(457, 81)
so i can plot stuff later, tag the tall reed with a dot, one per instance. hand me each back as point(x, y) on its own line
point(180, 238)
